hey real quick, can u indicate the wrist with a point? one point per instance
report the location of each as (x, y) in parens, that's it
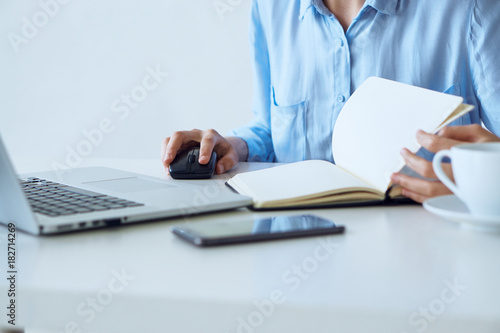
(240, 146)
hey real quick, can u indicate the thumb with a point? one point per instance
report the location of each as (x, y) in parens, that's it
(226, 163)
(435, 143)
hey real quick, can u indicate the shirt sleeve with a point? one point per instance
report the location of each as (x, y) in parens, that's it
(484, 51)
(257, 134)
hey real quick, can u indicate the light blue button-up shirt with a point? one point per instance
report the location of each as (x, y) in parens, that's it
(306, 67)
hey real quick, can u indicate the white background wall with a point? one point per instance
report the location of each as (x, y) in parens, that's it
(65, 75)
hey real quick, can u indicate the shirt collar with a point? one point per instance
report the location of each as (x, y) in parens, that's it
(384, 6)
(388, 7)
(304, 6)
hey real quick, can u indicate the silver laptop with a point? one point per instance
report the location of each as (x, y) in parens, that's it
(77, 199)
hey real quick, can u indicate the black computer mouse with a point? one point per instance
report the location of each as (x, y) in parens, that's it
(186, 165)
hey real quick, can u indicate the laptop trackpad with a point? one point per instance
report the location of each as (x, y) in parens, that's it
(131, 184)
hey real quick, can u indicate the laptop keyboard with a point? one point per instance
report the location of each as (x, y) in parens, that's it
(55, 199)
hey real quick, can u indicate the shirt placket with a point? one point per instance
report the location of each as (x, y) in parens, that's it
(341, 64)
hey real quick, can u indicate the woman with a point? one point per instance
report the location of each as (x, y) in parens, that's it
(310, 55)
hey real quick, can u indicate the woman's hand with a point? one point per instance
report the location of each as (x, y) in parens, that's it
(420, 189)
(229, 150)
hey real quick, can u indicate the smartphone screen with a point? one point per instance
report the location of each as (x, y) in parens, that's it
(258, 229)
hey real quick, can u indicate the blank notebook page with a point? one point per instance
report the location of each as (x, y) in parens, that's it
(294, 180)
(380, 119)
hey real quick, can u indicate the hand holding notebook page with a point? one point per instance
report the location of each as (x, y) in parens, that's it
(379, 119)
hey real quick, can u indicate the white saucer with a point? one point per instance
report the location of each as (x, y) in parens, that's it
(450, 207)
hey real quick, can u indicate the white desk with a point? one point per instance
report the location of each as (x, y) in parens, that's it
(392, 264)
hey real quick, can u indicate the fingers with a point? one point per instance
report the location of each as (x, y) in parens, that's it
(166, 160)
(422, 166)
(435, 143)
(176, 142)
(453, 135)
(418, 164)
(209, 141)
(419, 189)
(210, 138)
(164, 145)
(468, 133)
(414, 196)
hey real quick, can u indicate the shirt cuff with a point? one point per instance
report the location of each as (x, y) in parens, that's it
(259, 149)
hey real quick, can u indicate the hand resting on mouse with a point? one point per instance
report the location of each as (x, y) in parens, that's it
(230, 150)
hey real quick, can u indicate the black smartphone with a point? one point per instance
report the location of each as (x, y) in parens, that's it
(258, 229)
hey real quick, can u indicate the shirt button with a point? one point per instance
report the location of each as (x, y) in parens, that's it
(341, 98)
(340, 42)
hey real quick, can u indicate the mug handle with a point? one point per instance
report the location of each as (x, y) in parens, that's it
(438, 170)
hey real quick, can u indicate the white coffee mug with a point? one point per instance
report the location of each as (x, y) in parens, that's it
(476, 169)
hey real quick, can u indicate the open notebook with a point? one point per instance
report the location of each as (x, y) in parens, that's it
(379, 119)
